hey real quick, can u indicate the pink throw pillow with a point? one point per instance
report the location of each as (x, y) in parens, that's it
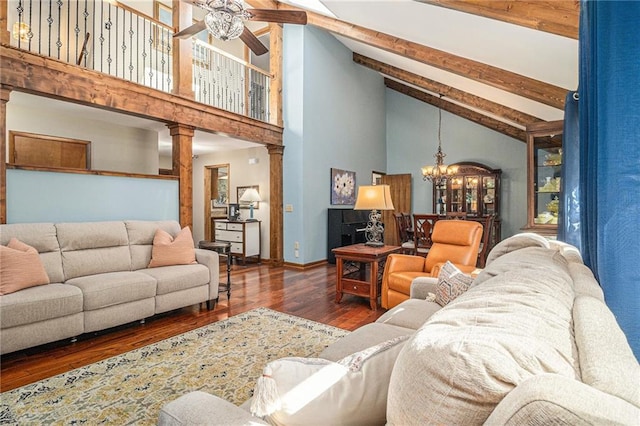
(20, 267)
(169, 251)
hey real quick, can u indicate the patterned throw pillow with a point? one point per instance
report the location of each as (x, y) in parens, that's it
(169, 251)
(451, 283)
(20, 267)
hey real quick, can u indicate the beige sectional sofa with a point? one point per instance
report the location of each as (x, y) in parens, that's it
(98, 279)
(531, 342)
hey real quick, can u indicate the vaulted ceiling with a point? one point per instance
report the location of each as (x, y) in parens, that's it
(502, 64)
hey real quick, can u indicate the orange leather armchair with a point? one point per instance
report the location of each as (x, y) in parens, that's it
(454, 240)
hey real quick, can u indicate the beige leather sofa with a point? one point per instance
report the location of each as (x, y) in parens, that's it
(530, 343)
(98, 279)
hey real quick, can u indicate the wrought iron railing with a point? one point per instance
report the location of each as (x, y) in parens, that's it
(225, 82)
(112, 38)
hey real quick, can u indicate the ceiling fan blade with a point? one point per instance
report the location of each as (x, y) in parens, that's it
(191, 31)
(252, 42)
(279, 16)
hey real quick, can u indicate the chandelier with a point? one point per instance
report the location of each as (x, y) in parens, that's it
(225, 21)
(438, 173)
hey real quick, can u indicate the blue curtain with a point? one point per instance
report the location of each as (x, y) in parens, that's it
(609, 115)
(569, 229)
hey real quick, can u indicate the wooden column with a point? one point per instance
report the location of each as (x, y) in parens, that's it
(276, 247)
(182, 137)
(275, 68)
(5, 35)
(182, 54)
(5, 92)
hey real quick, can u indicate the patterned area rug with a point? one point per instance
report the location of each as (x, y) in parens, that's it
(224, 358)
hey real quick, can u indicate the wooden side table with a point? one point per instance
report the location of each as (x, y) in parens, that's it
(362, 281)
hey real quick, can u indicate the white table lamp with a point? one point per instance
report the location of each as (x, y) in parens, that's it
(250, 196)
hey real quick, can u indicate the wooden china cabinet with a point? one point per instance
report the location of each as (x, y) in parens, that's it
(474, 189)
(544, 166)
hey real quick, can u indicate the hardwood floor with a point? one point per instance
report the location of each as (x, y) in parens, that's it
(309, 294)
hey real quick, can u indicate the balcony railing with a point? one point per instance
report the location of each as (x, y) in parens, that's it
(109, 37)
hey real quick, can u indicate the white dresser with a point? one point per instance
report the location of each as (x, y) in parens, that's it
(244, 237)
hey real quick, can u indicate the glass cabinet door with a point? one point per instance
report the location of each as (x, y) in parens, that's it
(544, 145)
(489, 195)
(471, 195)
(546, 180)
(457, 200)
(440, 199)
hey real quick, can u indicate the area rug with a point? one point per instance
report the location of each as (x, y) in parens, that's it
(223, 358)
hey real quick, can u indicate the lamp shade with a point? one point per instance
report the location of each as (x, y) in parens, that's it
(250, 196)
(374, 197)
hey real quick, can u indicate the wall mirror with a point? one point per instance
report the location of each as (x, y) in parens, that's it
(216, 196)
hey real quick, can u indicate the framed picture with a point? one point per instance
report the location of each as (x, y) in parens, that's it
(343, 187)
(376, 177)
(241, 189)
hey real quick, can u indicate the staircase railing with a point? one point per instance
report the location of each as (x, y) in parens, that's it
(110, 37)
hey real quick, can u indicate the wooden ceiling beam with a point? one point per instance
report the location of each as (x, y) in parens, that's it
(476, 117)
(560, 17)
(517, 84)
(461, 96)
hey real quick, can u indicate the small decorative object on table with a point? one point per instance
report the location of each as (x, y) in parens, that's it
(374, 198)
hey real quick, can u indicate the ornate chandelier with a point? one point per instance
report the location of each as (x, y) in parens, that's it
(225, 21)
(438, 173)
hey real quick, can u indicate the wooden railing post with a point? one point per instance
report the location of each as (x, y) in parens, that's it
(5, 92)
(182, 51)
(276, 227)
(5, 35)
(275, 68)
(182, 137)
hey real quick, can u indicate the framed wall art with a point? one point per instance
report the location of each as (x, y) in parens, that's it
(245, 205)
(343, 187)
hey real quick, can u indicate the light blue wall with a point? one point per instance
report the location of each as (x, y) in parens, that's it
(35, 196)
(337, 110)
(412, 140)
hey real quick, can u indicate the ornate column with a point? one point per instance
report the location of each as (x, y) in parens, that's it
(182, 154)
(276, 247)
(5, 92)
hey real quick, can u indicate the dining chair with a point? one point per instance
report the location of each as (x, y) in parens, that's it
(422, 228)
(456, 215)
(483, 251)
(405, 233)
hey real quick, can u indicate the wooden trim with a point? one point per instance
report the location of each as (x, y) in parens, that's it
(90, 172)
(275, 67)
(461, 111)
(558, 17)
(5, 34)
(5, 94)
(507, 113)
(511, 82)
(304, 266)
(12, 147)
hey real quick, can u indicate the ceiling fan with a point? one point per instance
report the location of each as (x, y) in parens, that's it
(225, 21)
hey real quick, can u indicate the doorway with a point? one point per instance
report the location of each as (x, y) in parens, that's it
(216, 197)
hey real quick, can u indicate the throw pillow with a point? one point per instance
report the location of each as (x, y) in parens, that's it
(169, 251)
(318, 391)
(451, 283)
(20, 267)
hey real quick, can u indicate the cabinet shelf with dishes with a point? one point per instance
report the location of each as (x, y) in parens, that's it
(544, 177)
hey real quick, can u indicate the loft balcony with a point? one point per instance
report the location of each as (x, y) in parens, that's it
(112, 38)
